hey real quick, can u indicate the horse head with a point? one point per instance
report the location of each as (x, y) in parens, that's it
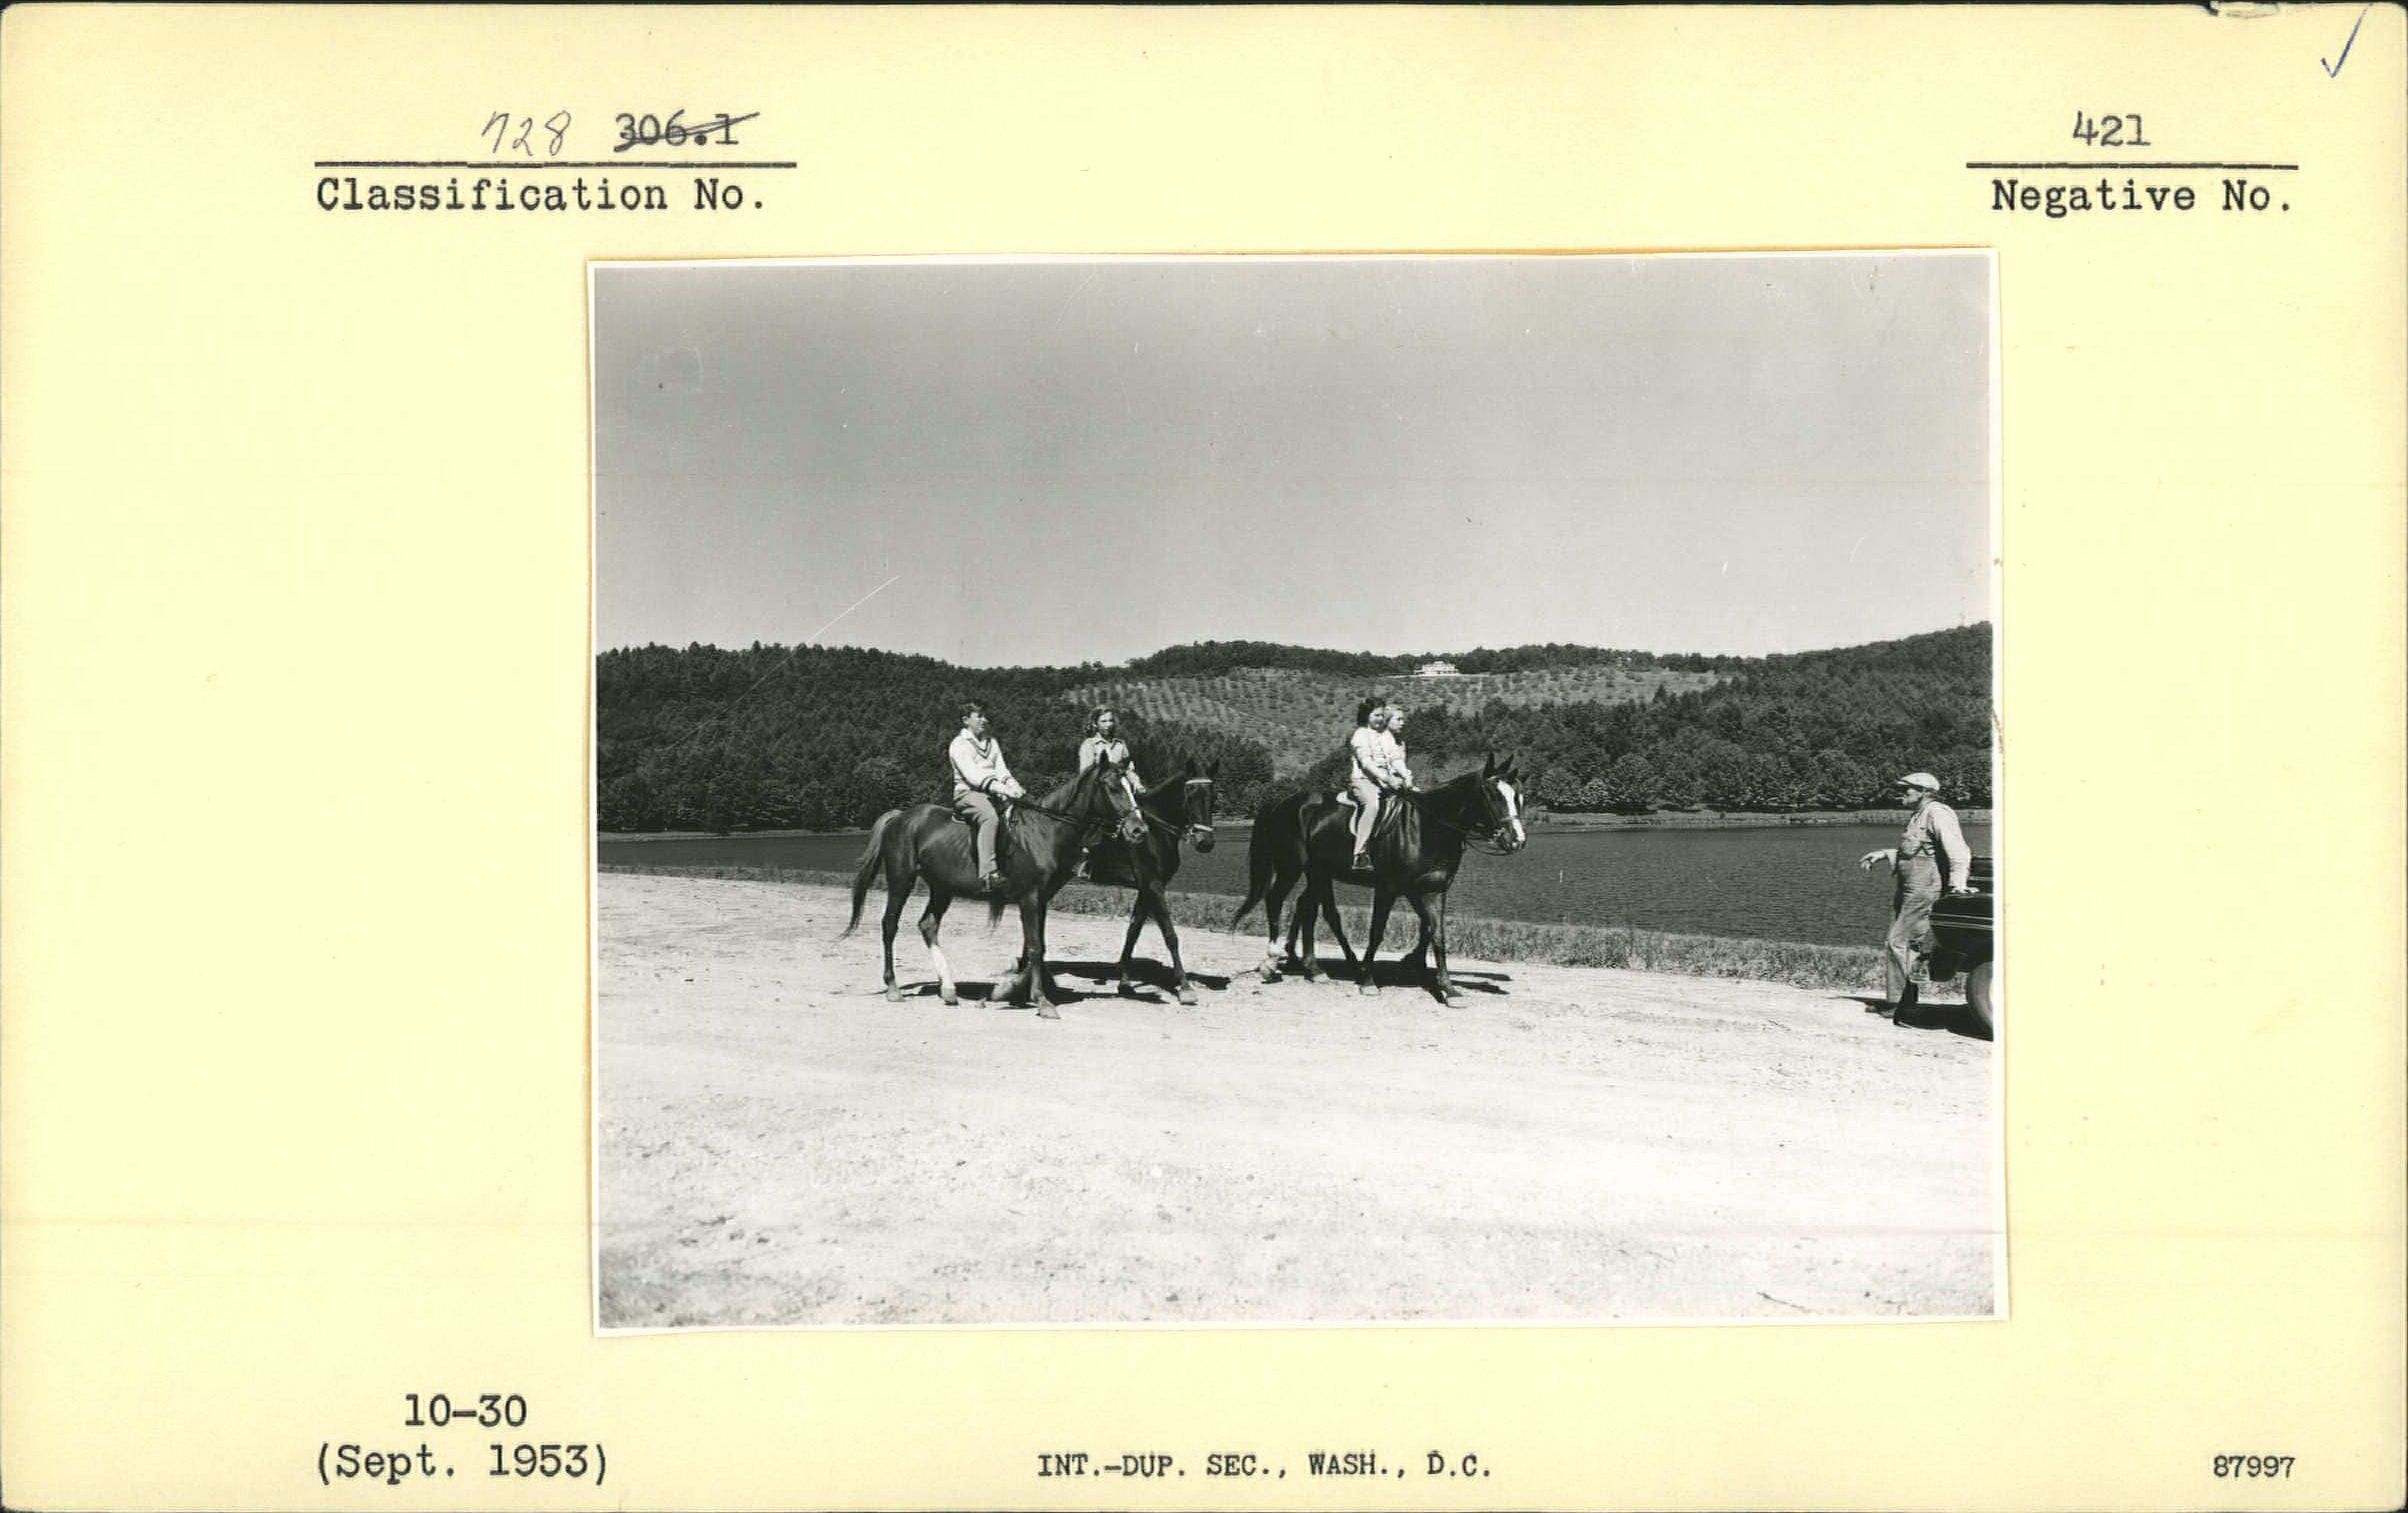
(1501, 804)
(1197, 800)
(1107, 794)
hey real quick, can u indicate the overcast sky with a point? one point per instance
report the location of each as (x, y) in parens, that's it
(1069, 461)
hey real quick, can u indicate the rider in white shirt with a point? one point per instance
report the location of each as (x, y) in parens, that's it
(980, 780)
(1396, 746)
(1372, 775)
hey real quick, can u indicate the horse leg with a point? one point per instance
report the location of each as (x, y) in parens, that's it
(1023, 983)
(1337, 926)
(1319, 902)
(932, 919)
(1161, 908)
(888, 923)
(1433, 939)
(1273, 962)
(1041, 979)
(1446, 983)
(1128, 947)
(1381, 901)
(1304, 932)
(1306, 956)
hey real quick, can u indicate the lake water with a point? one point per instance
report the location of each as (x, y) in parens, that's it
(1772, 882)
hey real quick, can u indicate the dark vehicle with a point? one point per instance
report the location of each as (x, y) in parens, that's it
(1964, 928)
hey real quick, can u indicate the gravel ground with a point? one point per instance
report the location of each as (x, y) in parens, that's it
(779, 1145)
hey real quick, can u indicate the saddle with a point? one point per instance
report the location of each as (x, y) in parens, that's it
(1389, 808)
(1004, 844)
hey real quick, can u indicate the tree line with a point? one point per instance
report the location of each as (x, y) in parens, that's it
(1825, 730)
(702, 738)
(1208, 659)
(829, 738)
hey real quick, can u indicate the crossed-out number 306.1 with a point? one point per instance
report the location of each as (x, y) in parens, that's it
(2254, 1465)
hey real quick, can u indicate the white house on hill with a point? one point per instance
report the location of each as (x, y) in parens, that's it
(1438, 670)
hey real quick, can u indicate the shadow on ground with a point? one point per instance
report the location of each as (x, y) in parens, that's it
(1404, 972)
(1955, 1018)
(1143, 971)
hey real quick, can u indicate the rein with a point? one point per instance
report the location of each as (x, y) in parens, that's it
(1474, 839)
(1067, 818)
(1179, 832)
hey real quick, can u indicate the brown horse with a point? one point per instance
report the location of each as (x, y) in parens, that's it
(1175, 809)
(1040, 849)
(1414, 855)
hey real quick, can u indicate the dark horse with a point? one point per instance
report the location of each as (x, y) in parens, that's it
(1175, 809)
(1036, 854)
(1414, 855)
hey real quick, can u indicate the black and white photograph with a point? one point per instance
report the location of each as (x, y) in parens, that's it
(1296, 791)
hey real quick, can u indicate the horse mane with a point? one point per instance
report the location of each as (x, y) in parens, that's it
(1462, 785)
(1060, 797)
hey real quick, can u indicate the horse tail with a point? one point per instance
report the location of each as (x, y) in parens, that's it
(1260, 861)
(871, 855)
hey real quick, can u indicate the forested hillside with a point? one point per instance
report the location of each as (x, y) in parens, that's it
(830, 737)
(827, 738)
(1817, 730)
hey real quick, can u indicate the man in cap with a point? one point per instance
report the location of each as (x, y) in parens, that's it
(1932, 851)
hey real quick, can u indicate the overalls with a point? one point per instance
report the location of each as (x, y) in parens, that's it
(1918, 888)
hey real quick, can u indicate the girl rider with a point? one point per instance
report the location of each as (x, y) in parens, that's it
(1103, 744)
(1372, 773)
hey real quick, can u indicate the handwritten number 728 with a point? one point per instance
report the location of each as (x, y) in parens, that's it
(513, 133)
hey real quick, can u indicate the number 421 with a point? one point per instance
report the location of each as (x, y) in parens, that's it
(2108, 131)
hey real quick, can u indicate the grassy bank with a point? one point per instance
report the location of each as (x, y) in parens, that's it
(1738, 819)
(1846, 968)
(1541, 821)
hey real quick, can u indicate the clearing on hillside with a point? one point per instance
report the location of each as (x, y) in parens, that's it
(1302, 716)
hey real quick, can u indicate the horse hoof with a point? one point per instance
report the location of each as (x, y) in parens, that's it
(1047, 1011)
(1371, 990)
(1124, 989)
(952, 1000)
(1310, 974)
(894, 995)
(1187, 996)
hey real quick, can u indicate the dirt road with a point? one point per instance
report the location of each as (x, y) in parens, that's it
(779, 1145)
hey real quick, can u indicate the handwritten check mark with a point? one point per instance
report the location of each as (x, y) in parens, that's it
(2332, 69)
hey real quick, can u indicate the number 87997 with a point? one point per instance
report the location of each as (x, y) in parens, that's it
(2254, 1465)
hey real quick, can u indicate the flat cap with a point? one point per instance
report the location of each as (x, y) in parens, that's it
(1920, 780)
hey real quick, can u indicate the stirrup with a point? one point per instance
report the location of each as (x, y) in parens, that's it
(1362, 861)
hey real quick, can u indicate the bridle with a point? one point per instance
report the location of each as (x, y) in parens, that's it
(1475, 838)
(1086, 823)
(1194, 833)
(1186, 832)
